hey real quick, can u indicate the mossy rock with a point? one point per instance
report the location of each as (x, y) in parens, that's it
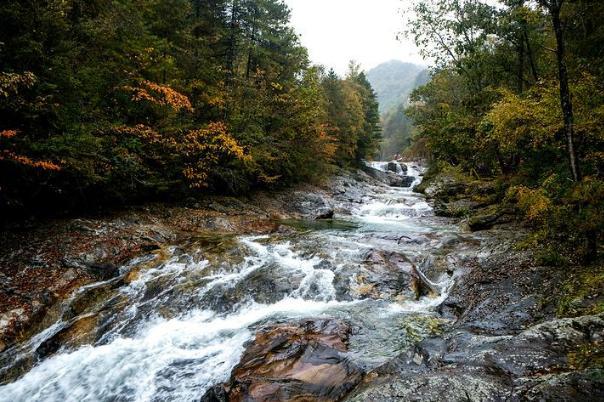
(583, 292)
(490, 216)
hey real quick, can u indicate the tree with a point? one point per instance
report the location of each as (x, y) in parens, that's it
(554, 8)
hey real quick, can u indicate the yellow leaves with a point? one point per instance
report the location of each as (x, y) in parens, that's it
(534, 203)
(11, 82)
(198, 151)
(516, 121)
(214, 139)
(141, 131)
(327, 144)
(161, 95)
(205, 149)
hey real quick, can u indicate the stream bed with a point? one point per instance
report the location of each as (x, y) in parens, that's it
(176, 321)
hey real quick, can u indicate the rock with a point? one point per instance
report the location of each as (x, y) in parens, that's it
(385, 275)
(401, 181)
(489, 218)
(264, 285)
(433, 387)
(377, 174)
(312, 205)
(587, 385)
(81, 331)
(539, 363)
(301, 361)
(455, 209)
(483, 222)
(389, 178)
(328, 214)
(103, 272)
(392, 167)
(396, 167)
(443, 187)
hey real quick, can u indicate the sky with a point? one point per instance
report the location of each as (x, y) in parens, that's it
(337, 31)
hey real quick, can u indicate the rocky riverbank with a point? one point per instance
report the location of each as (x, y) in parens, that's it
(45, 263)
(508, 338)
(407, 307)
(513, 336)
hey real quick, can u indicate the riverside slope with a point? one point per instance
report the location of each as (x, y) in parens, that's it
(237, 299)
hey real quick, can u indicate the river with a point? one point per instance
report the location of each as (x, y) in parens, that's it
(177, 321)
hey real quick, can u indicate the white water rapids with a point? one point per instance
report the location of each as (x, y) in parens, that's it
(181, 325)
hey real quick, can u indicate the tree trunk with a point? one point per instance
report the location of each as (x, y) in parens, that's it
(251, 46)
(531, 56)
(520, 66)
(230, 60)
(565, 98)
(230, 54)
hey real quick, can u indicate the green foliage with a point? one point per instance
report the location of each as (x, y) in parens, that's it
(394, 81)
(493, 108)
(352, 115)
(578, 292)
(111, 101)
(397, 132)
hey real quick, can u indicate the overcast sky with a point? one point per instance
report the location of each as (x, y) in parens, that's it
(336, 31)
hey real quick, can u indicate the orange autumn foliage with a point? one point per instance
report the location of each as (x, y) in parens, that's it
(8, 133)
(140, 131)
(6, 154)
(199, 151)
(207, 148)
(161, 95)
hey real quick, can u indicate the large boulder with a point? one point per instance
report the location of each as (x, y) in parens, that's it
(389, 178)
(312, 205)
(455, 209)
(293, 362)
(396, 167)
(555, 360)
(401, 181)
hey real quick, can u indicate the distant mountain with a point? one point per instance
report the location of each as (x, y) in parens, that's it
(394, 81)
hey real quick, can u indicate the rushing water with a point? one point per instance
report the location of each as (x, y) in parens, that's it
(177, 323)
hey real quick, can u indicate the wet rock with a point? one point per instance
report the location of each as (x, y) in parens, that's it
(104, 272)
(552, 346)
(81, 331)
(455, 209)
(445, 188)
(585, 385)
(483, 222)
(301, 362)
(389, 178)
(312, 205)
(396, 167)
(539, 363)
(401, 181)
(386, 275)
(435, 387)
(265, 285)
(328, 214)
(489, 218)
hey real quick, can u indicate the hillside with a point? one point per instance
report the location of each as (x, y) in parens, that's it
(393, 81)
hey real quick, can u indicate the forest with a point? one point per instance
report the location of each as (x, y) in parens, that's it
(108, 102)
(517, 96)
(193, 208)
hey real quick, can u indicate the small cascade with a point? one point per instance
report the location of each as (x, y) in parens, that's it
(170, 329)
